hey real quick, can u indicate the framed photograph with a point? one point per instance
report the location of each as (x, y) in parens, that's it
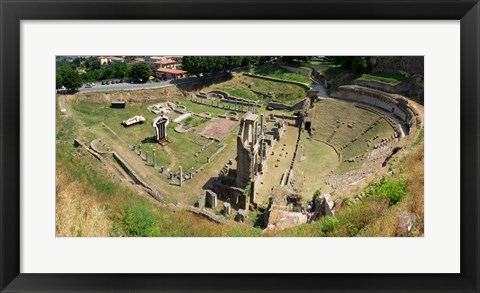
(239, 146)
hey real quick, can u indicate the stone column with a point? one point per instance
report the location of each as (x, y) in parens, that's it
(261, 123)
(181, 176)
(146, 157)
(154, 160)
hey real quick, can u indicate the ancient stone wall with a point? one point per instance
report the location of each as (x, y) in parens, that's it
(307, 87)
(300, 105)
(402, 87)
(299, 70)
(132, 174)
(397, 106)
(234, 195)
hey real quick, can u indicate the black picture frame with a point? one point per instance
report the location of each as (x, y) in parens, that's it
(12, 12)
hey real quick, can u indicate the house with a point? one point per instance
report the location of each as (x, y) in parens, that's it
(110, 59)
(166, 63)
(153, 59)
(170, 73)
(175, 58)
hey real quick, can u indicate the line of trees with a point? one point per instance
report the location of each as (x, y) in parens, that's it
(196, 65)
(92, 70)
(358, 64)
(206, 65)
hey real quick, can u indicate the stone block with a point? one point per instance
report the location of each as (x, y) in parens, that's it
(201, 199)
(227, 209)
(241, 216)
(210, 199)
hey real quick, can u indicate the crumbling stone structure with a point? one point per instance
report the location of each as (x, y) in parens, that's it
(395, 104)
(250, 144)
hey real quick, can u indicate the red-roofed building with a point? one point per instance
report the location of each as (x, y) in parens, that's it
(110, 59)
(170, 73)
(166, 63)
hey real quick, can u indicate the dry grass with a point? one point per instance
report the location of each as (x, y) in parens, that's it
(77, 212)
(132, 97)
(374, 216)
(387, 224)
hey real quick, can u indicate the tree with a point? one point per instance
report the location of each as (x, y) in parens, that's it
(92, 63)
(120, 70)
(141, 71)
(290, 59)
(357, 64)
(196, 65)
(58, 80)
(68, 78)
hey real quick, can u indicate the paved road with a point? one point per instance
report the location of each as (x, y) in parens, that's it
(98, 87)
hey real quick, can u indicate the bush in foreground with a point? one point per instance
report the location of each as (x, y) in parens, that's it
(138, 221)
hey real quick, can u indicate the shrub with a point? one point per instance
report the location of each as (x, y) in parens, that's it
(138, 221)
(393, 189)
(316, 194)
(330, 225)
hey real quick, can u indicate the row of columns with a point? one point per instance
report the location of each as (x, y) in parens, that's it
(238, 105)
(154, 161)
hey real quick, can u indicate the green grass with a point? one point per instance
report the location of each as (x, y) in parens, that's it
(182, 144)
(383, 77)
(392, 189)
(138, 221)
(419, 138)
(194, 121)
(240, 92)
(327, 113)
(312, 172)
(319, 62)
(199, 108)
(350, 222)
(275, 71)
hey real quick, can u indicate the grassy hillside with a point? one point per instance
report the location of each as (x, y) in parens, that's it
(384, 77)
(248, 87)
(378, 214)
(92, 201)
(275, 71)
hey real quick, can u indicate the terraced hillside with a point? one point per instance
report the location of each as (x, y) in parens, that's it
(256, 89)
(352, 130)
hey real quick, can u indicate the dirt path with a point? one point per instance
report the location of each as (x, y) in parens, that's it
(322, 92)
(62, 105)
(171, 155)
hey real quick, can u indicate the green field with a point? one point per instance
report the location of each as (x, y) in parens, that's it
(383, 77)
(246, 86)
(184, 146)
(319, 159)
(275, 71)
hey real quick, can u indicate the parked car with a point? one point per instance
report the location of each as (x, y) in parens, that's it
(88, 85)
(107, 82)
(113, 81)
(103, 82)
(121, 80)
